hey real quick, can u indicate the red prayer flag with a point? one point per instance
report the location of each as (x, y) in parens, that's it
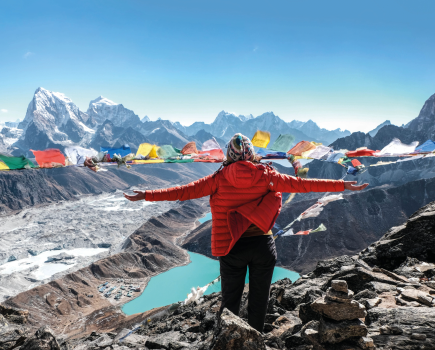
(303, 233)
(355, 163)
(45, 159)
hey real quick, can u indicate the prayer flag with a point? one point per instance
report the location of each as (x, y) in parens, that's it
(427, 147)
(122, 151)
(396, 148)
(49, 158)
(261, 139)
(14, 163)
(210, 145)
(319, 229)
(77, 155)
(301, 147)
(3, 166)
(167, 151)
(147, 149)
(190, 148)
(283, 143)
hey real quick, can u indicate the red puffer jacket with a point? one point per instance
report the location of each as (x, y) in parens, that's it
(242, 194)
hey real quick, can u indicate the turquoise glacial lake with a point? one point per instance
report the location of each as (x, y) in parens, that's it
(174, 285)
(207, 217)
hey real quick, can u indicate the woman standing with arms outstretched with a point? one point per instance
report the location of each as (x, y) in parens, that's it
(245, 201)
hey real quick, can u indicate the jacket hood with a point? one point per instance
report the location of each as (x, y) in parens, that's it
(243, 174)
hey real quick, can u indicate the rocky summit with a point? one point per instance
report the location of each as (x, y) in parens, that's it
(382, 298)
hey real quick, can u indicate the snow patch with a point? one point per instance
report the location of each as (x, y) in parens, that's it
(45, 270)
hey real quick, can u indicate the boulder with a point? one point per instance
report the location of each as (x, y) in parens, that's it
(339, 311)
(393, 328)
(414, 239)
(13, 314)
(366, 294)
(168, 341)
(302, 291)
(42, 340)
(366, 343)
(102, 341)
(235, 334)
(285, 324)
(371, 303)
(335, 332)
(419, 296)
(12, 337)
(310, 332)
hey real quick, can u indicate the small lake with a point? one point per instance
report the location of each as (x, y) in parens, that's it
(207, 217)
(174, 285)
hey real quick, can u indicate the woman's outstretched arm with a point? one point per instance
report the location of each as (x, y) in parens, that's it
(287, 183)
(197, 189)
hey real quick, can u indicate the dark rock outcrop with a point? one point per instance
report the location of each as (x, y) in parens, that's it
(402, 327)
(414, 239)
(235, 334)
(42, 340)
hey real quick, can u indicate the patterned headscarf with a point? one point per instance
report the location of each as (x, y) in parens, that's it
(240, 148)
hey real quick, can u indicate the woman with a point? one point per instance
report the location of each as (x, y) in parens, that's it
(245, 200)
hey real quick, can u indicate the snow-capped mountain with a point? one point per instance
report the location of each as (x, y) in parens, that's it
(312, 129)
(227, 124)
(164, 132)
(102, 109)
(224, 124)
(52, 119)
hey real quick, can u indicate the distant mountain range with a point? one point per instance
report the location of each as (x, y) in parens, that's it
(54, 121)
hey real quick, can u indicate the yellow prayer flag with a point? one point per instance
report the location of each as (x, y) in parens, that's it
(261, 139)
(146, 149)
(153, 152)
(150, 161)
(3, 166)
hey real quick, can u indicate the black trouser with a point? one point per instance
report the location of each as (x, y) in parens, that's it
(259, 254)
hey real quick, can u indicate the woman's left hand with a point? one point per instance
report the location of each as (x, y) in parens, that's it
(351, 186)
(140, 196)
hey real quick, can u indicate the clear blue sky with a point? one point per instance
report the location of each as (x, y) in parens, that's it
(343, 64)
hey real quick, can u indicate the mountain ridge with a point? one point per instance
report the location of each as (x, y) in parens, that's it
(53, 121)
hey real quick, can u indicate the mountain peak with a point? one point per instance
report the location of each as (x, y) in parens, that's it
(145, 119)
(40, 89)
(373, 132)
(103, 100)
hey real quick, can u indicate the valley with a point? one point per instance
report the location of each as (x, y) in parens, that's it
(66, 233)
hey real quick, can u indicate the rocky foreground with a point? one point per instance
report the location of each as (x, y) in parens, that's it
(383, 298)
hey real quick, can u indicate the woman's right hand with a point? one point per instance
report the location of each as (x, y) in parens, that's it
(140, 196)
(351, 186)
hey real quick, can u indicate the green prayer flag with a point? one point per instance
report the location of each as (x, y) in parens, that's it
(319, 229)
(167, 151)
(283, 143)
(14, 163)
